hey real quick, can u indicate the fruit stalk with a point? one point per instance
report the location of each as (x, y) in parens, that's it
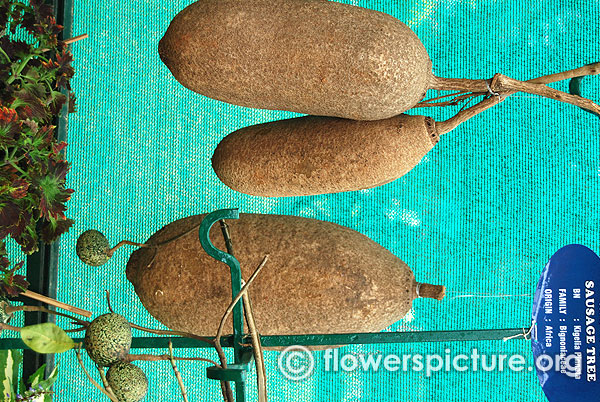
(89, 377)
(464, 115)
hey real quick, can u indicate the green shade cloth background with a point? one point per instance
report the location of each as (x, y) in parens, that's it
(481, 213)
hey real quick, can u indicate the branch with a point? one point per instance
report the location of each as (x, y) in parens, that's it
(56, 303)
(169, 332)
(75, 330)
(105, 382)
(450, 124)
(177, 374)
(156, 358)
(12, 309)
(122, 243)
(108, 301)
(261, 372)
(226, 236)
(75, 39)
(504, 86)
(217, 340)
(78, 354)
(455, 101)
(9, 327)
(243, 291)
(71, 40)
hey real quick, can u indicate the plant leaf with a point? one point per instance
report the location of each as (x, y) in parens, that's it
(36, 377)
(46, 338)
(48, 382)
(52, 229)
(9, 369)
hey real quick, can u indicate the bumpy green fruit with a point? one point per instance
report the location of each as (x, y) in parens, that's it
(92, 248)
(108, 339)
(128, 382)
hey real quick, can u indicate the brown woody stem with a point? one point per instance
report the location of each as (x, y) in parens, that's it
(443, 127)
(111, 251)
(217, 341)
(80, 361)
(155, 358)
(172, 333)
(177, 374)
(75, 39)
(459, 84)
(503, 83)
(71, 40)
(261, 372)
(56, 303)
(460, 97)
(105, 383)
(427, 290)
(9, 327)
(13, 309)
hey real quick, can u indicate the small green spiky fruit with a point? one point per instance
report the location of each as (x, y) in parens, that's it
(108, 339)
(128, 382)
(92, 248)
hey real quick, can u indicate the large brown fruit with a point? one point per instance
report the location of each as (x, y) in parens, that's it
(308, 56)
(317, 155)
(320, 277)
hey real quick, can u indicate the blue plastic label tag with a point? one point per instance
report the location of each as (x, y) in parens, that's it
(566, 331)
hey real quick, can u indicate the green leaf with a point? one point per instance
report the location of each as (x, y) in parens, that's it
(9, 369)
(36, 377)
(46, 338)
(48, 382)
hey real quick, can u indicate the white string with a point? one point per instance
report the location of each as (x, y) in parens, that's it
(481, 295)
(487, 84)
(525, 334)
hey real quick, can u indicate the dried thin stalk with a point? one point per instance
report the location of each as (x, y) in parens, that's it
(12, 309)
(226, 236)
(217, 341)
(450, 124)
(261, 372)
(75, 330)
(122, 243)
(56, 303)
(155, 358)
(177, 374)
(71, 40)
(8, 327)
(108, 301)
(455, 101)
(75, 39)
(503, 85)
(237, 299)
(80, 361)
(107, 386)
(173, 333)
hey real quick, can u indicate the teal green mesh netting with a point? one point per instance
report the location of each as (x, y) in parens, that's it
(481, 213)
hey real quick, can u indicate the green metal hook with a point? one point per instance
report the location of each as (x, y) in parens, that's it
(234, 266)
